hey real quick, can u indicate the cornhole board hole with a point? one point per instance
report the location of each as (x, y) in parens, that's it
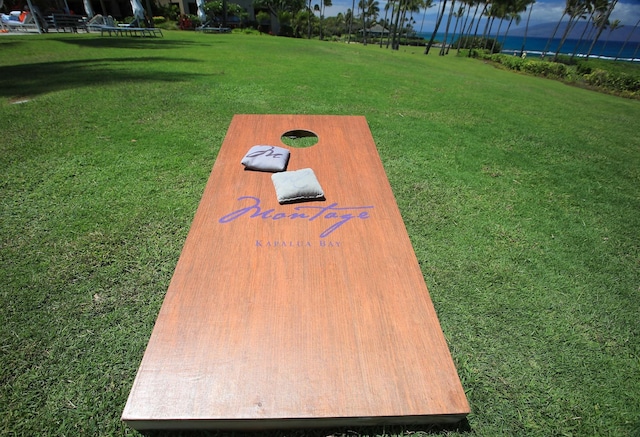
(306, 314)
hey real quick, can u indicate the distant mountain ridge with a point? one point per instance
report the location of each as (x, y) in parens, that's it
(545, 30)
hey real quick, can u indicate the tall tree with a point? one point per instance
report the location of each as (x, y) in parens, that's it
(515, 8)
(309, 10)
(615, 24)
(370, 9)
(385, 24)
(458, 15)
(502, 12)
(443, 46)
(412, 6)
(486, 4)
(593, 7)
(394, 27)
(526, 28)
(353, 6)
(490, 11)
(555, 30)
(576, 12)
(605, 21)
(435, 29)
(324, 4)
(466, 30)
(627, 39)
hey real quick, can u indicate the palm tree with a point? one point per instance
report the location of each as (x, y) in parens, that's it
(576, 11)
(489, 11)
(555, 30)
(464, 30)
(475, 34)
(426, 4)
(502, 12)
(369, 9)
(309, 20)
(526, 28)
(444, 46)
(394, 39)
(593, 7)
(627, 40)
(410, 6)
(517, 6)
(615, 24)
(458, 15)
(605, 21)
(353, 6)
(435, 30)
(386, 13)
(324, 4)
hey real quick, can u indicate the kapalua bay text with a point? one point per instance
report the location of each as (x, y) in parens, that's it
(336, 214)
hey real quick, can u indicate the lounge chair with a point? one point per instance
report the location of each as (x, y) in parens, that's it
(212, 27)
(19, 21)
(132, 29)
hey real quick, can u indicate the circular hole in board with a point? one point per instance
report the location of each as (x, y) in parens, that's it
(299, 138)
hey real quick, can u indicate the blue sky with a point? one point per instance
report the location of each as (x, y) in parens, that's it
(544, 11)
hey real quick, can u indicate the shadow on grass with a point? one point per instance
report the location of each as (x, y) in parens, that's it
(8, 44)
(131, 43)
(35, 79)
(389, 430)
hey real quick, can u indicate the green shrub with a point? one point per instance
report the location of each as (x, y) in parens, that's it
(511, 62)
(624, 82)
(612, 79)
(168, 25)
(583, 68)
(545, 69)
(620, 82)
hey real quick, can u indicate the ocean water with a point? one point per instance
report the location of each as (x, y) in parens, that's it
(535, 47)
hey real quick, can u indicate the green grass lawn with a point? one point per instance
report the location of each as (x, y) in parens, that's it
(520, 195)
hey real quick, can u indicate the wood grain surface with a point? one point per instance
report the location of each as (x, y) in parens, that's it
(306, 314)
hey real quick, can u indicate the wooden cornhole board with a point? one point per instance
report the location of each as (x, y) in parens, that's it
(273, 320)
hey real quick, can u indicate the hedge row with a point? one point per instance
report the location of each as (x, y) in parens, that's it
(624, 84)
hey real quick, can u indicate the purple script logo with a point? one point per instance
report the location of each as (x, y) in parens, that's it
(329, 212)
(269, 151)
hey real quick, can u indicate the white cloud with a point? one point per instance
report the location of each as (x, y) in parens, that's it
(627, 13)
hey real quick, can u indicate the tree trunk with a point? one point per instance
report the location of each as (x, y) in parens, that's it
(386, 12)
(395, 43)
(575, 51)
(526, 30)
(553, 35)
(393, 11)
(455, 27)
(612, 5)
(627, 40)
(364, 23)
(353, 5)
(467, 30)
(493, 45)
(446, 30)
(435, 30)
(475, 33)
(573, 20)
(506, 32)
(309, 21)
